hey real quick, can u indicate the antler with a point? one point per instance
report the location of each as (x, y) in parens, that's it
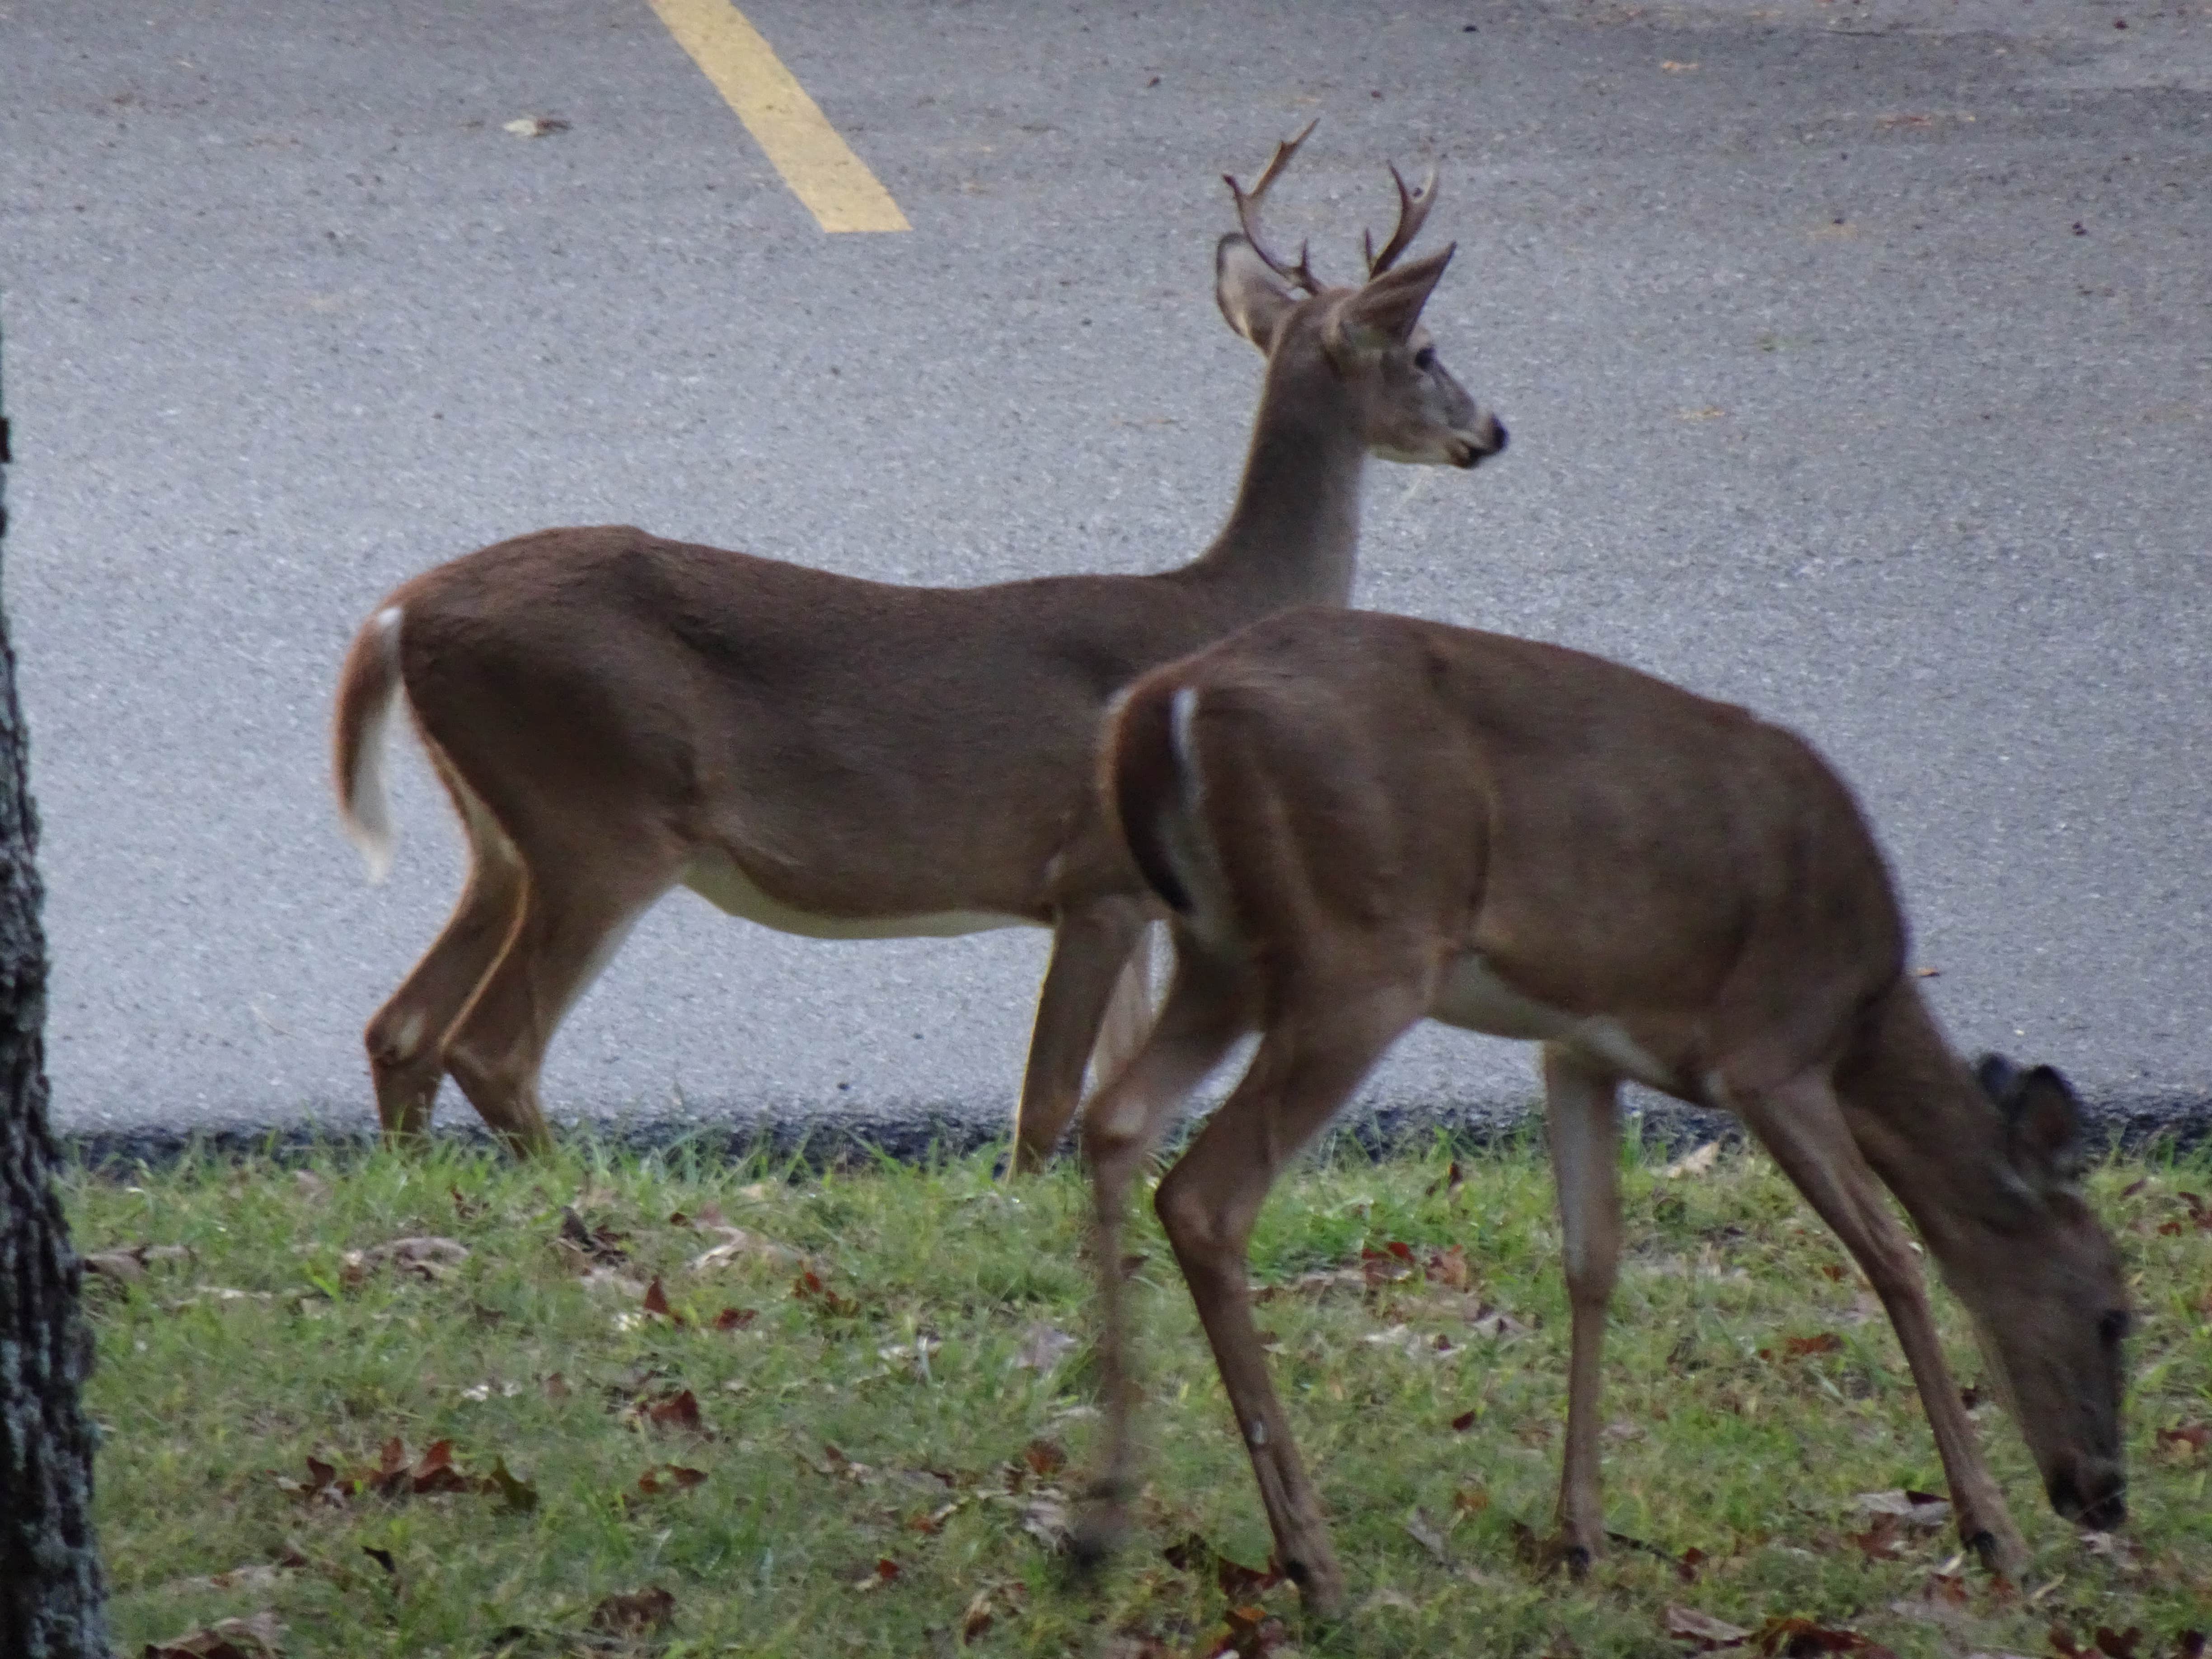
(1413, 213)
(1248, 214)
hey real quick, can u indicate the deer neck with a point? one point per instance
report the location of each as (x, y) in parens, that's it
(1293, 536)
(1930, 1133)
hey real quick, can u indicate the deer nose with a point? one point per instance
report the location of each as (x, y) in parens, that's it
(2091, 1494)
(1493, 431)
(2108, 1513)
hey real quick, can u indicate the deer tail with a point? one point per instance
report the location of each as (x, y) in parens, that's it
(368, 685)
(1150, 782)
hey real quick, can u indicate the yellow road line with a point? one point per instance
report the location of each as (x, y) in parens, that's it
(820, 168)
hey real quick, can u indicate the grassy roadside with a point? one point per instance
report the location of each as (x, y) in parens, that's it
(856, 1426)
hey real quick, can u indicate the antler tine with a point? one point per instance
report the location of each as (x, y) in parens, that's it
(1248, 212)
(1413, 213)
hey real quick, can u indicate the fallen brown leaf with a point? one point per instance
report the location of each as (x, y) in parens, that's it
(885, 1571)
(515, 1493)
(389, 1478)
(1696, 1163)
(977, 1618)
(1044, 1516)
(1239, 1582)
(1883, 1541)
(1042, 1347)
(655, 1301)
(1320, 1283)
(252, 1576)
(678, 1409)
(668, 1477)
(588, 1246)
(636, 1614)
(1387, 1265)
(1451, 1269)
(933, 1522)
(1921, 1509)
(809, 1288)
(2185, 1442)
(1251, 1632)
(1801, 1638)
(322, 1485)
(434, 1471)
(1424, 1532)
(1496, 1323)
(1702, 1630)
(739, 1245)
(260, 1637)
(426, 1257)
(129, 1265)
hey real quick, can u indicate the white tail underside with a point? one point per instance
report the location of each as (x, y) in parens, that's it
(366, 815)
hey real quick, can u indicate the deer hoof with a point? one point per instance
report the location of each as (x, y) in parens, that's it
(1100, 1527)
(2006, 1558)
(1321, 1590)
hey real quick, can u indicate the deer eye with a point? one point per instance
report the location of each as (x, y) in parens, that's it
(1425, 358)
(2114, 1326)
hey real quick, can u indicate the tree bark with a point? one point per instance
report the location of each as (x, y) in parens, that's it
(52, 1600)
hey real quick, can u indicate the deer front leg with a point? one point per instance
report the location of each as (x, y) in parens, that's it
(1091, 946)
(1801, 1124)
(1585, 1140)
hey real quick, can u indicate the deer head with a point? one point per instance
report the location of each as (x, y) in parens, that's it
(1369, 340)
(2048, 1299)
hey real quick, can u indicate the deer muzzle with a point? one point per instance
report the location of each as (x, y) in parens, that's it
(1485, 438)
(2090, 1492)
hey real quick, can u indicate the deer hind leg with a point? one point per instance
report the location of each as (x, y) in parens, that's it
(1091, 949)
(576, 912)
(1201, 1017)
(1803, 1125)
(1585, 1136)
(406, 1038)
(1310, 1059)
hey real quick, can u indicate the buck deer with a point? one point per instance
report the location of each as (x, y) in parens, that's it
(614, 716)
(1358, 821)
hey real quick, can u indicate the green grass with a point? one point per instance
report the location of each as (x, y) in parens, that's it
(1721, 1443)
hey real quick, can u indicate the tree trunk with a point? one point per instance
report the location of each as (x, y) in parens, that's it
(51, 1598)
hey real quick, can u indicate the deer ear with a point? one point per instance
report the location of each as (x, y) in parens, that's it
(1996, 1075)
(1387, 309)
(2043, 1121)
(1250, 295)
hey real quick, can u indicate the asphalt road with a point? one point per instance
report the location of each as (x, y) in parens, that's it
(1858, 359)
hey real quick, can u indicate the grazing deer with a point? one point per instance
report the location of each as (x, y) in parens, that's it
(615, 715)
(1358, 821)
